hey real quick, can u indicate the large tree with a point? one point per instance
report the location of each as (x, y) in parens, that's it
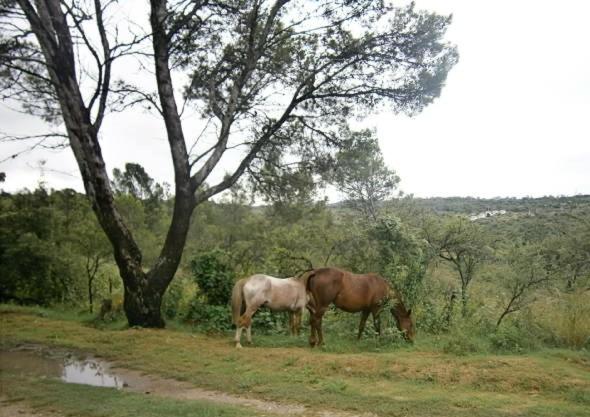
(270, 76)
(361, 173)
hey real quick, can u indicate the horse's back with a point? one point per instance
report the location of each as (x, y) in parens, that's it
(275, 293)
(324, 284)
(349, 292)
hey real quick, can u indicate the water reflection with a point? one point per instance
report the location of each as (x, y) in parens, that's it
(88, 371)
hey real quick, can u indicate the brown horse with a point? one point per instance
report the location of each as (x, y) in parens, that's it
(350, 292)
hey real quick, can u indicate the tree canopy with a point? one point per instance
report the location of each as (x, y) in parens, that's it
(272, 78)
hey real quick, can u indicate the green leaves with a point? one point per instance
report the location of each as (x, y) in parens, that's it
(403, 257)
(213, 276)
(360, 172)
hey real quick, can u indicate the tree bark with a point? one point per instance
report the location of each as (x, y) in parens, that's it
(143, 292)
(142, 302)
(463, 297)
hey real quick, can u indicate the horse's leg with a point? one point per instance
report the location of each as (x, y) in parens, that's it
(312, 330)
(249, 333)
(376, 313)
(295, 321)
(320, 331)
(313, 334)
(298, 316)
(364, 315)
(317, 322)
(238, 336)
(245, 322)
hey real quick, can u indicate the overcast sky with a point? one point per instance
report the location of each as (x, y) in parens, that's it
(513, 119)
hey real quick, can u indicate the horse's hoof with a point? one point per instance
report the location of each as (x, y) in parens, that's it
(238, 346)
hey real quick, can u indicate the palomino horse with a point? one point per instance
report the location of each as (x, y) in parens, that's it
(350, 292)
(278, 294)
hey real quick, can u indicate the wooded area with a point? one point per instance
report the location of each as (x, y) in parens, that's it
(281, 86)
(521, 279)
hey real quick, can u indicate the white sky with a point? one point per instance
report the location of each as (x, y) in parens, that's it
(513, 119)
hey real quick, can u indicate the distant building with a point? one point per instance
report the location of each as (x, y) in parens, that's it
(488, 213)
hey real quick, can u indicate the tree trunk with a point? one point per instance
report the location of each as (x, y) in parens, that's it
(90, 297)
(463, 300)
(143, 291)
(142, 305)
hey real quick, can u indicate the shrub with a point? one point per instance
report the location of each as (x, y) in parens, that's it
(462, 341)
(267, 322)
(433, 318)
(111, 309)
(209, 318)
(178, 297)
(567, 319)
(214, 277)
(513, 338)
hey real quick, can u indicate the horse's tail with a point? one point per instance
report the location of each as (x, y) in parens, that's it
(307, 278)
(237, 300)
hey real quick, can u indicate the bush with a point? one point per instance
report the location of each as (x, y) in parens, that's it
(461, 345)
(567, 320)
(214, 277)
(178, 297)
(209, 318)
(513, 338)
(462, 341)
(217, 319)
(111, 309)
(267, 322)
(433, 318)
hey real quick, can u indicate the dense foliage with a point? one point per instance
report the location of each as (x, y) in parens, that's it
(529, 269)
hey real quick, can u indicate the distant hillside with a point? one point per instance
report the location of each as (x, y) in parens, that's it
(471, 205)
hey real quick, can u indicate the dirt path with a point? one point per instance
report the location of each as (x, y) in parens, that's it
(47, 362)
(170, 388)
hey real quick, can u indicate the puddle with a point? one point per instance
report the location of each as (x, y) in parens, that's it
(87, 371)
(47, 363)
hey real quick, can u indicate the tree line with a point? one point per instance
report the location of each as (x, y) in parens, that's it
(450, 270)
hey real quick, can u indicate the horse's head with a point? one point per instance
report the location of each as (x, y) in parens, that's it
(404, 321)
(402, 316)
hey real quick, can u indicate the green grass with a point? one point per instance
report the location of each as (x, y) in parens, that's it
(388, 379)
(82, 400)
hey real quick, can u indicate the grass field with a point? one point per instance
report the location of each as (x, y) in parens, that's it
(384, 379)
